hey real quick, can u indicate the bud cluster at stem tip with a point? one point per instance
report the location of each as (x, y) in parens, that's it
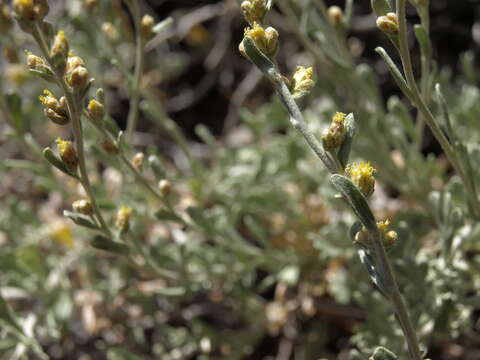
(266, 40)
(54, 109)
(254, 10)
(388, 23)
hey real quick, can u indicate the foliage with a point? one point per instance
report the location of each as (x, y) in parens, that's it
(156, 244)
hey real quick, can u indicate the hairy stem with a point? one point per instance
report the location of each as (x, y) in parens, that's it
(394, 295)
(137, 77)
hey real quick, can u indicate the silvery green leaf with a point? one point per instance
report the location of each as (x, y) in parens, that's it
(356, 200)
(381, 7)
(102, 243)
(54, 160)
(156, 166)
(167, 215)
(256, 56)
(80, 219)
(397, 75)
(369, 262)
(422, 37)
(344, 151)
(162, 25)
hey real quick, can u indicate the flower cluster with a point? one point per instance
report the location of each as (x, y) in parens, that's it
(361, 174)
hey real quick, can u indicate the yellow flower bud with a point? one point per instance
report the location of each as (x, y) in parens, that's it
(49, 100)
(146, 26)
(254, 10)
(78, 78)
(35, 62)
(73, 62)
(302, 81)
(266, 40)
(83, 206)
(388, 23)
(110, 31)
(138, 160)
(335, 15)
(165, 187)
(334, 135)
(122, 220)
(56, 117)
(361, 175)
(96, 110)
(389, 237)
(60, 45)
(67, 153)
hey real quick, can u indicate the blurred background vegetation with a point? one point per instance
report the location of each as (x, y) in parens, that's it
(263, 266)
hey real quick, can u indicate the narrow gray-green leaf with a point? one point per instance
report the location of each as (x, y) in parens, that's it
(80, 219)
(397, 75)
(356, 200)
(102, 243)
(381, 7)
(57, 162)
(344, 151)
(257, 57)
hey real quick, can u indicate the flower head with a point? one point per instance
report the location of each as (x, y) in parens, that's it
(361, 175)
(254, 10)
(55, 110)
(122, 220)
(388, 23)
(96, 110)
(60, 45)
(83, 206)
(78, 78)
(334, 135)
(146, 26)
(266, 40)
(67, 153)
(335, 15)
(389, 237)
(302, 81)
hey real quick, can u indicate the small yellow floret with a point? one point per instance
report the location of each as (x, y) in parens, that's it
(361, 175)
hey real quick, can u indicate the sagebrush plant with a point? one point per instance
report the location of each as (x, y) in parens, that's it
(153, 245)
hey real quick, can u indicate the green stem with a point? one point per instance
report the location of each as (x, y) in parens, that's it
(426, 59)
(394, 295)
(420, 103)
(74, 114)
(137, 77)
